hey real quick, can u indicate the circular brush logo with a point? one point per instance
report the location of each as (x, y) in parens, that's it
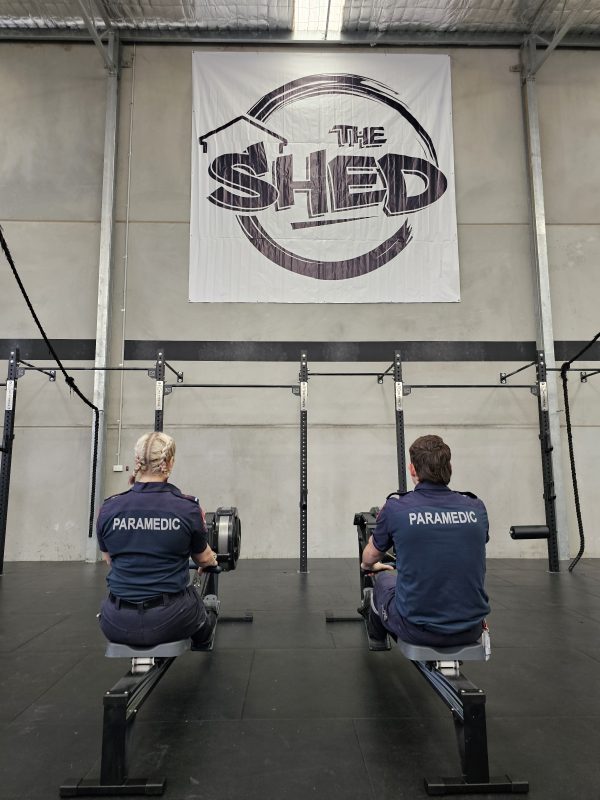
(332, 198)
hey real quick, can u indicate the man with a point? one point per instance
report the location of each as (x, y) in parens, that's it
(437, 597)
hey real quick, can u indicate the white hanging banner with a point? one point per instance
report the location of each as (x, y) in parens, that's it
(322, 178)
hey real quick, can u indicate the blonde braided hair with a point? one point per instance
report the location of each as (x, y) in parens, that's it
(153, 453)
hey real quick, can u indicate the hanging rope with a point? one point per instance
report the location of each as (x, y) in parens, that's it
(563, 374)
(70, 381)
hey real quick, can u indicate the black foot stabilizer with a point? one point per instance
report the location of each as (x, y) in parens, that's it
(121, 704)
(467, 704)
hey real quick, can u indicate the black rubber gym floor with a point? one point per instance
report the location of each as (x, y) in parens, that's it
(290, 707)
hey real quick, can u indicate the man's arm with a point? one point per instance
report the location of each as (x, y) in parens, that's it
(206, 558)
(377, 546)
(371, 558)
(106, 557)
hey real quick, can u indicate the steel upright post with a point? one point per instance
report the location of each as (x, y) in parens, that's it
(159, 376)
(545, 332)
(303, 462)
(400, 443)
(547, 470)
(7, 445)
(107, 219)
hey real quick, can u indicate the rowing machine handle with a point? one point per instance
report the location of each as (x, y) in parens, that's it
(213, 570)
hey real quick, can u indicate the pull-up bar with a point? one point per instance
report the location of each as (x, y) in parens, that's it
(408, 387)
(293, 386)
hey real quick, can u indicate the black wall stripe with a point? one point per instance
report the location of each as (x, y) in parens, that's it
(135, 350)
(67, 349)
(334, 351)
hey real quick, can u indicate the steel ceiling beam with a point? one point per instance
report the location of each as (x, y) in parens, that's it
(97, 36)
(589, 41)
(537, 61)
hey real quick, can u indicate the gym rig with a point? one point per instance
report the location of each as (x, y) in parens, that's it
(148, 666)
(159, 373)
(441, 668)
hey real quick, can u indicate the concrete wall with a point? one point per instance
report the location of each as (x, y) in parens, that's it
(242, 447)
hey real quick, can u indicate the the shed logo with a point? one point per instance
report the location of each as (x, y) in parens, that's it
(354, 159)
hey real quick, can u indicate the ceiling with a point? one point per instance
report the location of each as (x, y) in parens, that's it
(576, 23)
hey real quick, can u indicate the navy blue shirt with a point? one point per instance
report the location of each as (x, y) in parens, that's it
(150, 533)
(439, 537)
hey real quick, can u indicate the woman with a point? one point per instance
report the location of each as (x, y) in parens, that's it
(147, 536)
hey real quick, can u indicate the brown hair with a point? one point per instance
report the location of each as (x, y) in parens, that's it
(430, 456)
(153, 452)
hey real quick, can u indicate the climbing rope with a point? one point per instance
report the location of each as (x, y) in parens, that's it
(69, 380)
(563, 374)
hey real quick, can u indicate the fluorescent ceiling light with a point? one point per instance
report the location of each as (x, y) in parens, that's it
(318, 19)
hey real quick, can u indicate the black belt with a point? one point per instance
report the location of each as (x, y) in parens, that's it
(151, 602)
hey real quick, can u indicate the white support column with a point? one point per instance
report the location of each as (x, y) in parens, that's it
(545, 331)
(105, 268)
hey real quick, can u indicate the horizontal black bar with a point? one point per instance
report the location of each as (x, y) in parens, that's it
(137, 350)
(109, 369)
(232, 385)
(469, 385)
(571, 369)
(346, 374)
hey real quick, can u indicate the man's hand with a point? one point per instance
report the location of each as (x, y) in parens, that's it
(378, 566)
(371, 558)
(207, 558)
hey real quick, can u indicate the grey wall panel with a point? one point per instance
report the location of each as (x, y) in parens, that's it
(58, 264)
(49, 493)
(52, 132)
(41, 403)
(162, 125)
(574, 253)
(489, 160)
(496, 288)
(570, 134)
(584, 402)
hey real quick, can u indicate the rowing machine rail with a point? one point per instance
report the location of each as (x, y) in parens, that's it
(441, 668)
(148, 667)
